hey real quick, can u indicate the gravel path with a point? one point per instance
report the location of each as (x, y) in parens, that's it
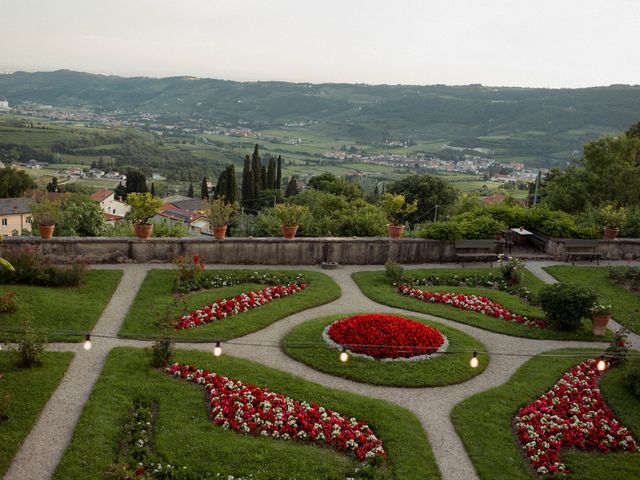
(45, 444)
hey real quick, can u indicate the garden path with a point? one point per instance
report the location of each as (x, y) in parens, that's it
(44, 446)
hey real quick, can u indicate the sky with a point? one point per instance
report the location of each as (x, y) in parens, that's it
(542, 43)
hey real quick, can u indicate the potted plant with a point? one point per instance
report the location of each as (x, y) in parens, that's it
(613, 220)
(46, 214)
(220, 213)
(396, 208)
(600, 316)
(290, 216)
(144, 206)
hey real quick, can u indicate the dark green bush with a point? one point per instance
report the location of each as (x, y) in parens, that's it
(448, 231)
(393, 272)
(32, 269)
(29, 347)
(632, 377)
(162, 352)
(482, 227)
(565, 305)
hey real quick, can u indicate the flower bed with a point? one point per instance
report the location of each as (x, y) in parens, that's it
(571, 414)
(472, 303)
(385, 336)
(248, 409)
(232, 306)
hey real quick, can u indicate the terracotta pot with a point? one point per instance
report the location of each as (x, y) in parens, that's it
(395, 231)
(219, 231)
(289, 231)
(599, 324)
(143, 231)
(46, 231)
(610, 233)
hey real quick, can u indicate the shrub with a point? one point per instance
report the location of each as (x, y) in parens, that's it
(632, 377)
(160, 229)
(565, 305)
(290, 214)
(613, 217)
(618, 350)
(32, 269)
(480, 228)
(162, 352)
(8, 302)
(396, 208)
(144, 206)
(29, 348)
(393, 272)
(220, 212)
(46, 212)
(447, 231)
(511, 268)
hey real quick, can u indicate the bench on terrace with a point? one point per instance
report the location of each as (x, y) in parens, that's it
(582, 250)
(476, 250)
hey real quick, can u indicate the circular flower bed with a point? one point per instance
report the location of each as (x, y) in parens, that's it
(385, 337)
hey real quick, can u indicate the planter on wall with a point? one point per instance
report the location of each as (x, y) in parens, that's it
(610, 233)
(46, 231)
(143, 230)
(289, 231)
(395, 231)
(219, 231)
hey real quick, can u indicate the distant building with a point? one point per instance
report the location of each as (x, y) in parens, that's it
(109, 204)
(196, 223)
(15, 215)
(4, 105)
(186, 203)
(157, 176)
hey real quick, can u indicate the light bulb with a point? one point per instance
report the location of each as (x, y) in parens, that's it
(601, 365)
(474, 360)
(344, 356)
(87, 342)
(217, 351)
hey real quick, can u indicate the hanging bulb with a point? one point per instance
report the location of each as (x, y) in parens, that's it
(474, 360)
(344, 356)
(217, 351)
(602, 364)
(87, 342)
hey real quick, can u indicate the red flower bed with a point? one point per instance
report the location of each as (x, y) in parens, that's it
(473, 303)
(385, 336)
(248, 409)
(238, 304)
(570, 415)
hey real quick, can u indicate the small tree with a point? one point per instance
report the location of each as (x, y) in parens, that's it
(613, 217)
(565, 305)
(221, 212)
(46, 212)
(396, 208)
(292, 187)
(290, 215)
(52, 186)
(143, 207)
(190, 193)
(204, 190)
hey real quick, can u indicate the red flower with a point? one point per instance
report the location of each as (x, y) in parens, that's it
(140, 471)
(385, 336)
(196, 258)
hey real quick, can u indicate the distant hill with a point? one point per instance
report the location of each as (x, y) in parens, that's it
(514, 123)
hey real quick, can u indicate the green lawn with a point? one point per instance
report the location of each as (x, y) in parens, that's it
(439, 371)
(58, 312)
(186, 437)
(30, 389)
(485, 423)
(374, 286)
(156, 294)
(626, 304)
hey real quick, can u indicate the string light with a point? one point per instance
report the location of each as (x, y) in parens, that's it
(602, 364)
(344, 356)
(217, 351)
(474, 360)
(87, 342)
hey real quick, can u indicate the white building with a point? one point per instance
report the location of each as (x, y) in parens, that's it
(4, 105)
(109, 204)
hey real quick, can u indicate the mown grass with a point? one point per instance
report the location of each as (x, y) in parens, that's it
(155, 298)
(626, 304)
(59, 312)
(305, 344)
(186, 437)
(484, 423)
(374, 286)
(30, 390)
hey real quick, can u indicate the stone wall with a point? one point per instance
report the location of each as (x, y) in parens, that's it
(618, 249)
(258, 251)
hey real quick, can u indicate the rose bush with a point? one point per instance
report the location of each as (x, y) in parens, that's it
(249, 409)
(232, 306)
(570, 415)
(473, 303)
(385, 336)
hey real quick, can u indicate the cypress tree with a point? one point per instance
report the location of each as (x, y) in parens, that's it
(190, 193)
(278, 183)
(204, 190)
(153, 189)
(256, 169)
(221, 186)
(136, 182)
(271, 174)
(247, 183)
(120, 192)
(263, 178)
(231, 188)
(292, 187)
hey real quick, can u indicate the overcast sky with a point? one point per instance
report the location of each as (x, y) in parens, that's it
(550, 43)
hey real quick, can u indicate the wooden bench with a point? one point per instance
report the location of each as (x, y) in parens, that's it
(582, 250)
(476, 250)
